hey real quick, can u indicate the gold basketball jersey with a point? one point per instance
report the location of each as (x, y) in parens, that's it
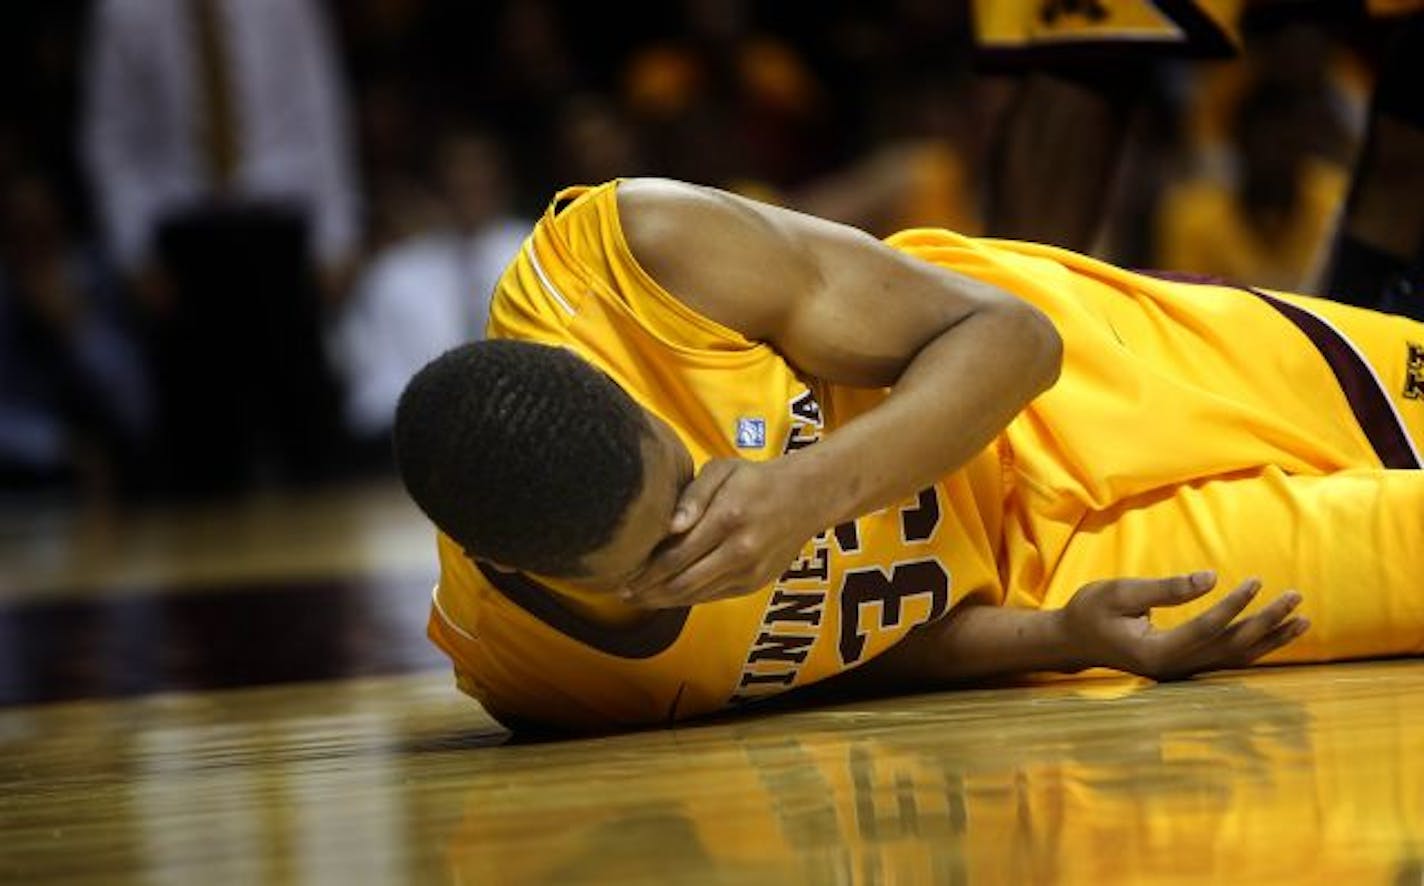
(1251, 379)
(530, 647)
(1273, 392)
(1064, 28)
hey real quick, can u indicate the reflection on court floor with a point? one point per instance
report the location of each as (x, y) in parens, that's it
(1303, 776)
(1291, 776)
(365, 765)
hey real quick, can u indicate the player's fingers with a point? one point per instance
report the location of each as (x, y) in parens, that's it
(671, 559)
(678, 552)
(1210, 624)
(701, 581)
(1245, 633)
(1281, 635)
(695, 497)
(1135, 596)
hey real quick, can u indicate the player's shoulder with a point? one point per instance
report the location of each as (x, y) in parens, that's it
(731, 259)
(661, 193)
(658, 213)
(677, 220)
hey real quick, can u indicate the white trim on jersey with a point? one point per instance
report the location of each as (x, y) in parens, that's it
(435, 599)
(549, 288)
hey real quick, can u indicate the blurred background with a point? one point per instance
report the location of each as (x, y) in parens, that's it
(229, 231)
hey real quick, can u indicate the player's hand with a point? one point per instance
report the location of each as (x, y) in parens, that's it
(736, 527)
(1106, 623)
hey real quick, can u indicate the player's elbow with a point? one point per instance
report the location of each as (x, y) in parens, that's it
(1037, 342)
(1050, 346)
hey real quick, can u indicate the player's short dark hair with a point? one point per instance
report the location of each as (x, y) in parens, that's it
(523, 454)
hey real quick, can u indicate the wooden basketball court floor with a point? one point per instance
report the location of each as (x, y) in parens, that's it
(244, 695)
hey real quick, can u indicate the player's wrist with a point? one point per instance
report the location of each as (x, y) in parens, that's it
(820, 486)
(1066, 649)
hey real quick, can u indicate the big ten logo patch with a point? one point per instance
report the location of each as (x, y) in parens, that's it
(1414, 373)
(751, 433)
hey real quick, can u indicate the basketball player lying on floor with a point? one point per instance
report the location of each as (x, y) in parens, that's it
(715, 450)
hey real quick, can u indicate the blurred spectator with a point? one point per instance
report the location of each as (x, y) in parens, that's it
(216, 138)
(1296, 59)
(1268, 225)
(223, 184)
(1378, 258)
(904, 184)
(74, 400)
(595, 143)
(919, 173)
(532, 64)
(723, 102)
(429, 291)
(394, 139)
(38, 45)
(533, 70)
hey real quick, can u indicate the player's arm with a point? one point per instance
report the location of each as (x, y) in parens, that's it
(962, 358)
(1104, 625)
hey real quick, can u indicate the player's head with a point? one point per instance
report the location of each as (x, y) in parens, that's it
(530, 458)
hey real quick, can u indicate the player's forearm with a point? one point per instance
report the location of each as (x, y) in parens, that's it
(1103, 625)
(959, 392)
(977, 642)
(982, 641)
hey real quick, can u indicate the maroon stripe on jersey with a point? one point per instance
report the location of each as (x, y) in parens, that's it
(1368, 401)
(644, 640)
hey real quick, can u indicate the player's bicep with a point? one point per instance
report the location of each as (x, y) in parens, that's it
(838, 303)
(874, 309)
